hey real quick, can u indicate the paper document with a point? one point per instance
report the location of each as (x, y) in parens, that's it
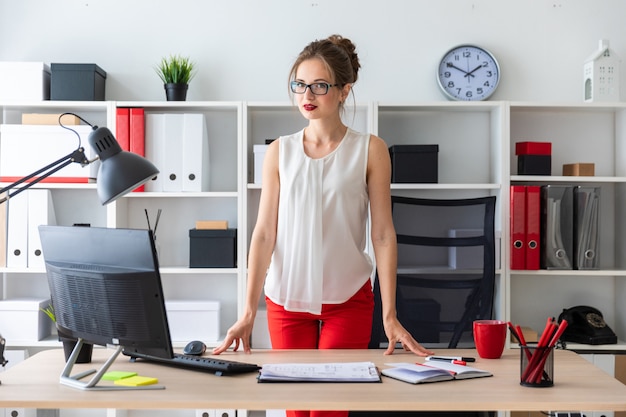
(319, 372)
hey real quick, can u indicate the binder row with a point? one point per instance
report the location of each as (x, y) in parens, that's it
(554, 227)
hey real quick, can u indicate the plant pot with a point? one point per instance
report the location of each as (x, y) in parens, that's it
(84, 356)
(176, 92)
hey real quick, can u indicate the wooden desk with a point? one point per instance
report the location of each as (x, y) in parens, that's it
(579, 385)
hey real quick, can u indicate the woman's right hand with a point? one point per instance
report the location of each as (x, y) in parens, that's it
(240, 332)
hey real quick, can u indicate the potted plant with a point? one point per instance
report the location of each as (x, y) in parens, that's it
(68, 342)
(176, 72)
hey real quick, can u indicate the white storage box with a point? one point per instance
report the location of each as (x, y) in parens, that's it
(193, 320)
(259, 156)
(470, 257)
(22, 320)
(25, 149)
(24, 81)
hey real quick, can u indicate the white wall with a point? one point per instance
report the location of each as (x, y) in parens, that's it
(244, 48)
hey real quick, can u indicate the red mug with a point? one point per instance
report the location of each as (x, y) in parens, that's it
(489, 337)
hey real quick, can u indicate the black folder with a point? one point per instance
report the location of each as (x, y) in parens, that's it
(586, 227)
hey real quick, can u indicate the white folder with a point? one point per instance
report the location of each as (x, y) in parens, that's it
(195, 153)
(40, 212)
(17, 231)
(172, 167)
(154, 147)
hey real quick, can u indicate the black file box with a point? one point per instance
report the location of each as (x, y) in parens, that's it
(77, 82)
(414, 163)
(212, 248)
(534, 165)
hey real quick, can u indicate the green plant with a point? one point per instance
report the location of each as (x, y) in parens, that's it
(49, 311)
(176, 69)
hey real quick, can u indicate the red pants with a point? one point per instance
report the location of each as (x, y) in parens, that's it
(339, 326)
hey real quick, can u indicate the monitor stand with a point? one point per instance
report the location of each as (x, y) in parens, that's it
(74, 381)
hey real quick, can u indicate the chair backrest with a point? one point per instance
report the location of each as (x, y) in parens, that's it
(446, 269)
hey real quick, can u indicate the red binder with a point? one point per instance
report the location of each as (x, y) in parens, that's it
(122, 127)
(518, 227)
(533, 226)
(137, 134)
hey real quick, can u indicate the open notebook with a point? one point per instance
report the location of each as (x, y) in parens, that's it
(431, 371)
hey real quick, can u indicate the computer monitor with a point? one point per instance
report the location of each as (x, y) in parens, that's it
(106, 289)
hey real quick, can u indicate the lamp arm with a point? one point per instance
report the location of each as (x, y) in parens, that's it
(77, 156)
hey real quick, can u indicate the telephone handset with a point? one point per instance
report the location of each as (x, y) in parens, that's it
(586, 325)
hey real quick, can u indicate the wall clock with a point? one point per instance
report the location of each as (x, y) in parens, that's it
(469, 73)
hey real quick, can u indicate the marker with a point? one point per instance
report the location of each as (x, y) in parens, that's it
(451, 358)
(452, 361)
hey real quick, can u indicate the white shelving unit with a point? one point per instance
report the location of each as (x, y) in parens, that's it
(579, 133)
(476, 158)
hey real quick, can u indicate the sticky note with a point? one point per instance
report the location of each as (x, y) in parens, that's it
(115, 375)
(136, 380)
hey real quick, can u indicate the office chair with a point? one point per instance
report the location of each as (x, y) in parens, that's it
(446, 269)
(445, 279)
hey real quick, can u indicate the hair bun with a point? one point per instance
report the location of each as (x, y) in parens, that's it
(350, 49)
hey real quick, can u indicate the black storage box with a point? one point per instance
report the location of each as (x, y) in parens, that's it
(81, 82)
(414, 163)
(212, 248)
(534, 165)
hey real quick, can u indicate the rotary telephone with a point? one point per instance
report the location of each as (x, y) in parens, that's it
(586, 325)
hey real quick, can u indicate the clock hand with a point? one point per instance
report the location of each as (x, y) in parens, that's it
(467, 74)
(471, 72)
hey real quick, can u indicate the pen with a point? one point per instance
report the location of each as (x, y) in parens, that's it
(451, 358)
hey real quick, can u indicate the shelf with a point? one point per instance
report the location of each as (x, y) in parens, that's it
(550, 179)
(571, 273)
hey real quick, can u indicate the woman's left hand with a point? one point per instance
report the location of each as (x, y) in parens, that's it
(396, 333)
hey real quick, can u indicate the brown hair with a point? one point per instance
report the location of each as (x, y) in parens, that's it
(337, 53)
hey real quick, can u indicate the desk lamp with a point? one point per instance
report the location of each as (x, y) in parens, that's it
(120, 172)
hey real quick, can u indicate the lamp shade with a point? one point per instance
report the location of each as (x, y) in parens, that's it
(120, 172)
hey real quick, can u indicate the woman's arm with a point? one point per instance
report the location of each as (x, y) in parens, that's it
(383, 237)
(261, 249)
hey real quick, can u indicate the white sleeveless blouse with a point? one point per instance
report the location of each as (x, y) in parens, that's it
(319, 257)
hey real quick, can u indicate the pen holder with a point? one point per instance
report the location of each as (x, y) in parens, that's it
(536, 366)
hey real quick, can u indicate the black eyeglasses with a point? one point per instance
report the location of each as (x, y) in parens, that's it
(319, 89)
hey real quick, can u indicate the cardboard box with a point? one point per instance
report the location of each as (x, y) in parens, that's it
(414, 163)
(193, 320)
(49, 119)
(470, 257)
(83, 82)
(212, 248)
(259, 156)
(579, 169)
(24, 81)
(22, 320)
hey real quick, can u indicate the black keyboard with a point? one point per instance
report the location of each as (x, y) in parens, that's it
(219, 366)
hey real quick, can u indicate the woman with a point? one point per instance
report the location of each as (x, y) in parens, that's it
(308, 246)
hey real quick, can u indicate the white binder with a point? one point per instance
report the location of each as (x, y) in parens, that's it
(154, 148)
(172, 168)
(17, 231)
(195, 153)
(40, 212)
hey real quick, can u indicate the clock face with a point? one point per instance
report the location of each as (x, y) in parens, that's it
(469, 73)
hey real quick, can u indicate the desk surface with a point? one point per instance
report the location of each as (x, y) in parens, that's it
(579, 385)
